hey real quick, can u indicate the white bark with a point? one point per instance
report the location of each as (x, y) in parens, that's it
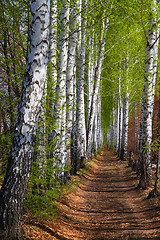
(94, 138)
(120, 129)
(79, 25)
(71, 85)
(148, 102)
(114, 124)
(125, 118)
(96, 89)
(120, 118)
(90, 78)
(124, 140)
(14, 187)
(110, 134)
(99, 124)
(117, 125)
(81, 127)
(52, 80)
(53, 43)
(74, 129)
(74, 157)
(60, 105)
(136, 125)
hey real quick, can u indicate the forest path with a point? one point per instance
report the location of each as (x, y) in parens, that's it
(106, 205)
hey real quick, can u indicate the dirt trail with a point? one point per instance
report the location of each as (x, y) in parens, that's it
(106, 205)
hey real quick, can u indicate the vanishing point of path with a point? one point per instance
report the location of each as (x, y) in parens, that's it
(106, 205)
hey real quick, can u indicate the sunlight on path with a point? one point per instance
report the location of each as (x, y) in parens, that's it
(106, 205)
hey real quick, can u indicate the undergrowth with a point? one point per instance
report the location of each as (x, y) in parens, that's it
(43, 206)
(84, 171)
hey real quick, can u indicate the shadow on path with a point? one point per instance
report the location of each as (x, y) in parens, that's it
(106, 206)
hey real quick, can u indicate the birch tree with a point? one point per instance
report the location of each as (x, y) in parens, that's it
(115, 125)
(96, 88)
(60, 104)
(53, 42)
(74, 134)
(124, 140)
(81, 126)
(52, 65)
(148, 100)
(14, 186)
(99, 123)
(51, 90)
(90, 77)
(119, 118)
(125, 119)
(71, 85)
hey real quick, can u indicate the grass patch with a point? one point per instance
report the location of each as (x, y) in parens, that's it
(89, 165)
(85, 170)
(71, 186)
(82, 173)
(44, 206)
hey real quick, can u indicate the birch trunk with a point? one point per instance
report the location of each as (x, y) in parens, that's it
(124, 140)
(75, 110)
(120, 130)
(110, 134)
(96, 89)
(113, 125)
(79, 25)
(117, 125)
(53, 45)
(136, 123)
(60, 105)
(51, 83)
(94, 144)
(148, 102)
(120, 119)
(74, 130)
(15, 183)
(99, 125)
(71, 85)
(52, 65)
(81, 126)
(90, 78)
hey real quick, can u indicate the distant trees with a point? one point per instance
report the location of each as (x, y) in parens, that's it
(135, 88)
